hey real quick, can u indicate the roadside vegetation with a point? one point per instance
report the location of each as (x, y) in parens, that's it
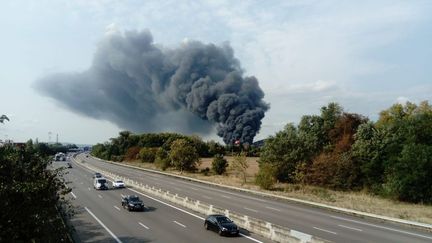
(336, 157)
(33, 206)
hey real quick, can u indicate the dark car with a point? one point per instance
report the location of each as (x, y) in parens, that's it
(132, 203)
(97, 175)
(221, 224)
(69, 165)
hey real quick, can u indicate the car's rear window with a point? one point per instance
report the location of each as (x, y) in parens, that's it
(102, 181)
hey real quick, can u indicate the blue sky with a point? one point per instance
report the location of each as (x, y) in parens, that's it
(366, 55)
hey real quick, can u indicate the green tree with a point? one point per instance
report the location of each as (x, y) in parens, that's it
(284, 151)
(183, 155)
(148, 154)
(219, 164)
(409, 178)
(162, 159)
(31, 197)
(265, 177)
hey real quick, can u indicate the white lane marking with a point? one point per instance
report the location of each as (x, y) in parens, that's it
(103, 225)
(82, 183)
(157, 200)
(73, 195)
(143, 225)
(182, 225)
(328, 231)
(186, 212)
(206, 197)
(250, 209)
(122, 195)
(344, 226)
(382, 227)
(275, 209)
(89, 188)
(99, 196)
(226, 197)
(194, 189)
(117, 208)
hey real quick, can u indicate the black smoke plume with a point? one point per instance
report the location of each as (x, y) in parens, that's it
(145, 88)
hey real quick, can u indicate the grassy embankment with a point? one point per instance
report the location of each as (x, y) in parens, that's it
(360, 201)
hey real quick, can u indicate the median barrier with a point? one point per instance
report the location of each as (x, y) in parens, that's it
(271, 231)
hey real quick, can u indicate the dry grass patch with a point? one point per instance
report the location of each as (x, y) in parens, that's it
(360, 201)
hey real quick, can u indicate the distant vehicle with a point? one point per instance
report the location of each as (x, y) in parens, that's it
(97, 175)
(100, 184)
(221, 224)
(118, 184)
(60, 157)
(69, 165)
(132, 203)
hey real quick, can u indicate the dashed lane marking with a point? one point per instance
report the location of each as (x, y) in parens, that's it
(328, 231)
(143, 225)
(351, 228)
(182, 225)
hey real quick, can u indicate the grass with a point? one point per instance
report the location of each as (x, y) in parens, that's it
(360, 201)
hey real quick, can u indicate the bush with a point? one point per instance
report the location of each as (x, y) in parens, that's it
(183, 155)
(219, 164)
(148, 154)
(132, 153)
(162, 160)
(205, 171)
(266, 176)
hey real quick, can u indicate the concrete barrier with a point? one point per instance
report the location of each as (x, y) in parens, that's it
(266, 229)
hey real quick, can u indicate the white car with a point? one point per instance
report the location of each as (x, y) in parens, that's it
(100, 184)
(118, 184)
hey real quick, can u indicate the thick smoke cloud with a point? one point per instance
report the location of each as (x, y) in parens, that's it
(145, 88)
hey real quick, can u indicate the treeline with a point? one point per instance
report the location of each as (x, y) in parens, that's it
(165, 149)
(391, 157)
(32, 195)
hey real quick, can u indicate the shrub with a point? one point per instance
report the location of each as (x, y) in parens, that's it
(266, 176)
(148, 154)
(205, 171)
(162, 160)
(219, 164)
(132, 153)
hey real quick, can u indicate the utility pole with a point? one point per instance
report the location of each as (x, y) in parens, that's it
(57, 138)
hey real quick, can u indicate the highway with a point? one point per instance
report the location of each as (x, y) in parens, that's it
(333, 226)
(99, 216)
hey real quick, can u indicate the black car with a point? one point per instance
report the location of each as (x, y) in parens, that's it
(97, 175)
(69, 165)
(132, 203)
(221, 224)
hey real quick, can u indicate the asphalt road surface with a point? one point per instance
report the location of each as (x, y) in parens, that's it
(333, 226)
(100, 217)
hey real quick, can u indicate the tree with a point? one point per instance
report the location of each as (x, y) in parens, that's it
(148, 154)
(162, 159)
(284, 151)
(183, 155)
(265, 177)
(219, 164)
(31, 196)
(409, 178)
(240, 165)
